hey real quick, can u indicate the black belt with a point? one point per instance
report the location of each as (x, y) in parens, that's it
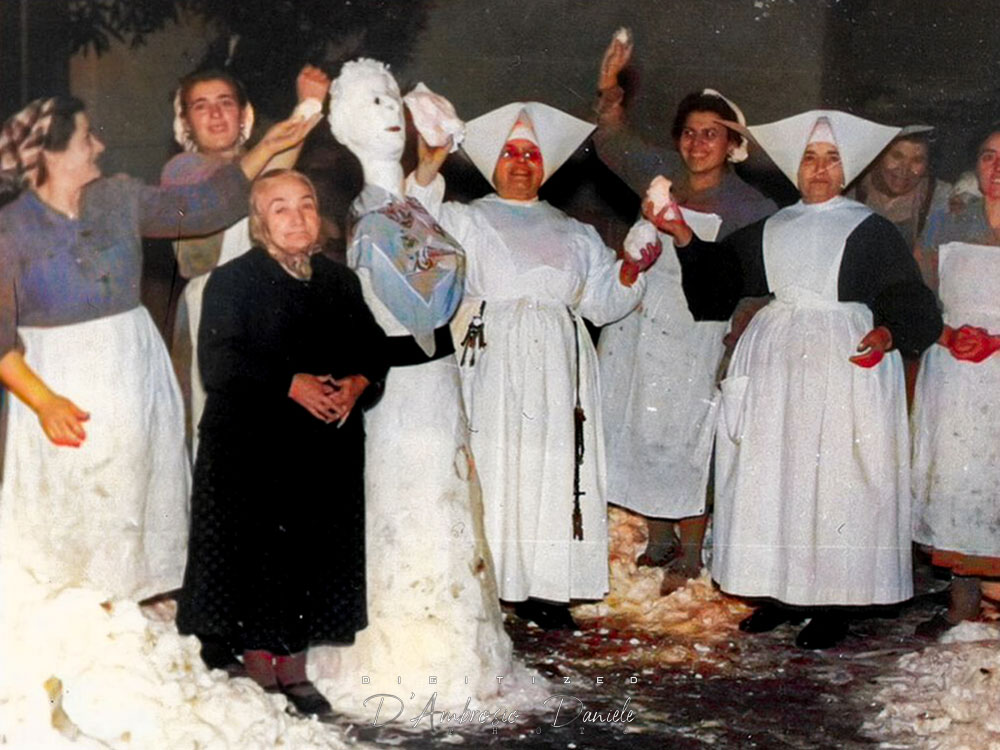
(404, 351)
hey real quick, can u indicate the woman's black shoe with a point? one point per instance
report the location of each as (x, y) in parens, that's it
(546, 615)
(307, 699)
(766, 618)
(824, 631)
(218, 654)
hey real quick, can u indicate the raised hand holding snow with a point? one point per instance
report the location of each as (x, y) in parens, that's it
(435, 118)
(660, 208)
(616, 57)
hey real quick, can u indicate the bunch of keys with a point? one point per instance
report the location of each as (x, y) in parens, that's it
(474, 337)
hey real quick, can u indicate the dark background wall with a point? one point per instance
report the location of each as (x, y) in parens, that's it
(898, 61)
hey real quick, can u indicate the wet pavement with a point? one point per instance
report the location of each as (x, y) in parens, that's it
(622, 687)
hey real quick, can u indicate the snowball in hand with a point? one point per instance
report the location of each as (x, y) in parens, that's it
(434, 117)
(658, 193)
(641, 234)
(308, 108)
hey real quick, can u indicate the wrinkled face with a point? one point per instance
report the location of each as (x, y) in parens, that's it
(212, 111)
(288, 213)
(988, 167)
(369, 118)
(902, 165)
(821, 174)
(519, 171)
(77, 164)
(704, 143)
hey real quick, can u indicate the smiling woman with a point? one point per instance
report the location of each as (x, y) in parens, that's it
(802, 532)
(519, 170)
(956, 473)
(85, 360)
(821, 175)
(216, 111)
(212, 122)
(658, 365)
(901, 185)
(532, 393)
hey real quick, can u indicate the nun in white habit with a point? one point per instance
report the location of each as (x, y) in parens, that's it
(539, 272)
(813, 494)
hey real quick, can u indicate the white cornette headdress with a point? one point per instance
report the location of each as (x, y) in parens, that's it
(739, 153)
(558, 135)
(858, 140)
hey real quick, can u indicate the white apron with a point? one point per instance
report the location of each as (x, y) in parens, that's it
(956, 415)
(112, 514)
(659, 398)
(812, 473)
(235, 242)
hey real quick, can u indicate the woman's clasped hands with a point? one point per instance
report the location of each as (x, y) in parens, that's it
(327, 398)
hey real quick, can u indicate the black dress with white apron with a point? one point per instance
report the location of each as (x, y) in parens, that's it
(813, 494)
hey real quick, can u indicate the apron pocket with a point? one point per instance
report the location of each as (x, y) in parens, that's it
(734, 391)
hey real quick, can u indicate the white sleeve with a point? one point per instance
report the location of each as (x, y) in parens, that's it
(605, 299)
(430, 196)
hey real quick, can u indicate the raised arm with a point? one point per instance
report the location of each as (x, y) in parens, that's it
(184, 210)
(634, 160)
(285, 136)
(311, 86)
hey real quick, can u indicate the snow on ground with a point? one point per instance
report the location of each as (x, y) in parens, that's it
(79, 671)
(83, 672)
(946, 696)
(697, 615)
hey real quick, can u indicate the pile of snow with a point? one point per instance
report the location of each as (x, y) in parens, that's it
(634, 603)
(945, 697)
(81, 671)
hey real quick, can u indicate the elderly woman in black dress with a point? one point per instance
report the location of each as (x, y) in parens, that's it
(288, 348)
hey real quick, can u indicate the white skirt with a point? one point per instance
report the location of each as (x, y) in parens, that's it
(812, 473)
(113, 513)
(659, 399)
(956, 452)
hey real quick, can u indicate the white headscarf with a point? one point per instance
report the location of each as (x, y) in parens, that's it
(740, 152)
(557, 135)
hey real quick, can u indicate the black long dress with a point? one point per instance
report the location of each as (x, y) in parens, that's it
(276, 558)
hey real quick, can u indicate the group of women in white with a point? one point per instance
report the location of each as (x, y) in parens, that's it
(484, 473)
(816, 497)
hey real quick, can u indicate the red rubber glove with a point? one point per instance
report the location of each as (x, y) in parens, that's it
(631, 268)
(873, 347)
(969, 343)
